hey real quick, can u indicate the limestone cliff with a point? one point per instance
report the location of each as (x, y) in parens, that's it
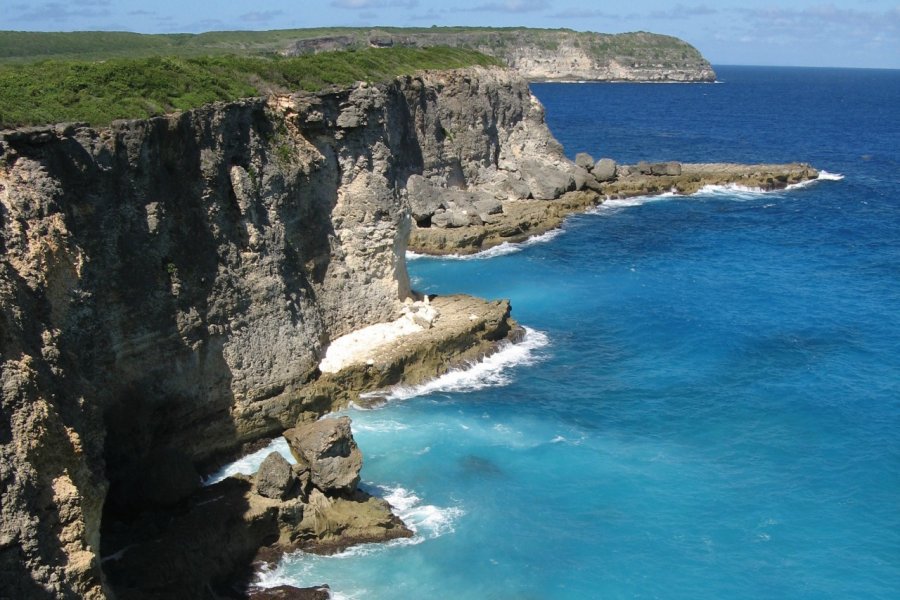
(544, 54)
(169, 286)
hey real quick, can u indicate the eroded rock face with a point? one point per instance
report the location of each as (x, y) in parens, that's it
(329, 449)
(171, 283)
(275, 478)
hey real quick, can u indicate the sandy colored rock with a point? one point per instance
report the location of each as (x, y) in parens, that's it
(172, 284)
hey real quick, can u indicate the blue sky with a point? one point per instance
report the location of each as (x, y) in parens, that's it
(858, 33)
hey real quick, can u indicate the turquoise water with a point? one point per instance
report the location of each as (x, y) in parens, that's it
(708, 401)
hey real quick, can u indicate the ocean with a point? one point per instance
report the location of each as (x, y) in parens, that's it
(707, 403)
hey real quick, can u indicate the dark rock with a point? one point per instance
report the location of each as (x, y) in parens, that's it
(605, 170)
(584, 160)
(328, 447)
(289, 592)
(275, 478)
(169, 477)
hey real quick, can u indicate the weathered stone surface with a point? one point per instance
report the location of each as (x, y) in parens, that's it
(644, 168)
(691, 177)
(450, 218)
(486, 207)
(585, 180)
(289, 592)
(424, 198)
(172, 283)
(666, 168)
(584, 160)
(275, 478)
(547, 182)
(605, 170)
(328, 447)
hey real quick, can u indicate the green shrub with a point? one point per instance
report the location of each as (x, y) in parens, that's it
(100, 92)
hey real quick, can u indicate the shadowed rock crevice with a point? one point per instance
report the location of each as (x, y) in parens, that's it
(169, 287)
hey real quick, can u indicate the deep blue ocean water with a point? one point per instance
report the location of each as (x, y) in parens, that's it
(708, 402)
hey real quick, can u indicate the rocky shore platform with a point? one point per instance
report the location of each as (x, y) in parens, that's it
(213, 539)
(462, 229)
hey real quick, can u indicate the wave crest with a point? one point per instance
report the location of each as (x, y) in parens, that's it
(491, 371)
(499, 250)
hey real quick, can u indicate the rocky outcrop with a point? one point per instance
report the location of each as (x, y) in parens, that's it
(330, 451)
(526, 218)
(195, 550)
(169, 287)
(544, 54)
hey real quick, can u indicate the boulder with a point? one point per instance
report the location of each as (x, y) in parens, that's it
(547, 182)
(583, 179)
(584, 160)
(507, 186)
(275, 478)
(487, 206)
(644, 168)
(667, 168)
(605, 170)
(424, 198)
(450, 218)
(328, 447)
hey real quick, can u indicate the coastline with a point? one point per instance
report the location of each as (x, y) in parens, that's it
(522, 219)
(217, 339)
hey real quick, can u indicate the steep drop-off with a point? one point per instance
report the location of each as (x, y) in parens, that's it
(545, 54)
(169, 286)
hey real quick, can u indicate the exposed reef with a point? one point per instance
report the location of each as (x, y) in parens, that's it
(518, 219)
(197, 548)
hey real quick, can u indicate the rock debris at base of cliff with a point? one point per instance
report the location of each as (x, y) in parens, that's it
(169, 287)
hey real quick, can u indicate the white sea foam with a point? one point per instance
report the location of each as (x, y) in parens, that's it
(492, 371)
(250, 464)
(499, 250)
(731, 190)
(425, 520)
(380, 426)
(611, 204)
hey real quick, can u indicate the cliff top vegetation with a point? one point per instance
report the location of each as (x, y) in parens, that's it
(98, 92)
(25, 46)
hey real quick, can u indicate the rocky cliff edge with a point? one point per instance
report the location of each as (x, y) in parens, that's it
(169, 286)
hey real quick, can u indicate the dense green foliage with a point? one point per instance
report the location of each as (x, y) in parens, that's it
(100, 92)
(21, 46)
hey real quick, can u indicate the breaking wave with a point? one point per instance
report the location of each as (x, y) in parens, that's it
(249, 464)
(491, 371)
(500, 250)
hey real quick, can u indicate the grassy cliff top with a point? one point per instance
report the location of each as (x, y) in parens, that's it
(22, 46)
(99, 92)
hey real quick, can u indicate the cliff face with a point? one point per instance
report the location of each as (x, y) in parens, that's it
(169, 286)
(548, 54)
